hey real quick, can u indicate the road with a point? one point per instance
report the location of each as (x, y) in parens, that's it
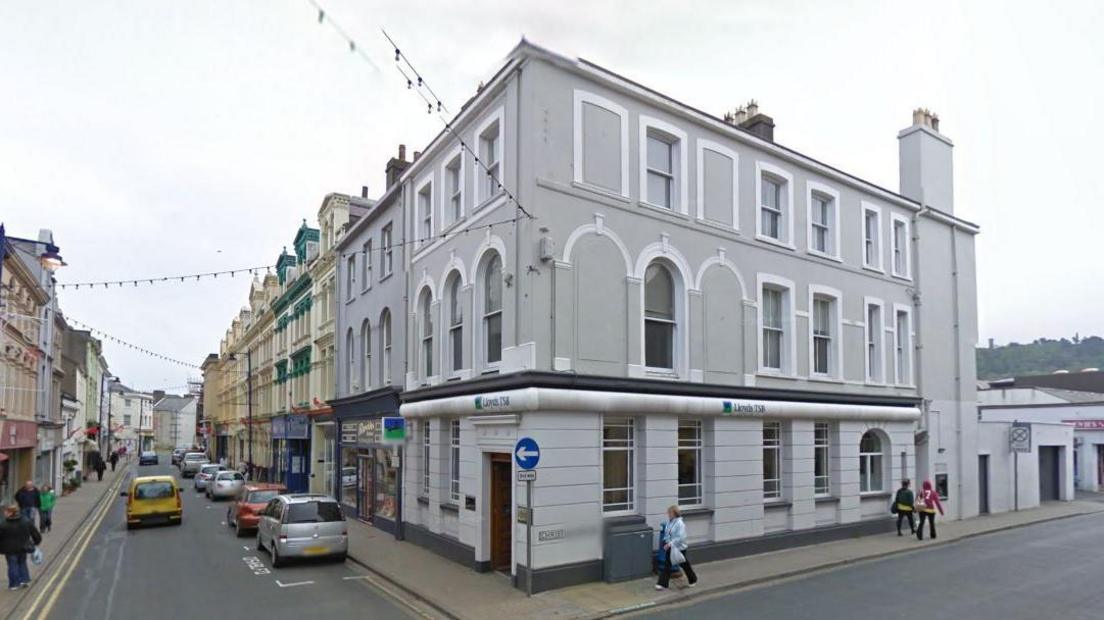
(200, 569)
(1049, 570)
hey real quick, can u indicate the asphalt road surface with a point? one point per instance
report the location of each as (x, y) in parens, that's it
(1049, 570)
(199, 569)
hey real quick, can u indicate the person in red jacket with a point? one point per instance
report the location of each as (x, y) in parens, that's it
(927, 502)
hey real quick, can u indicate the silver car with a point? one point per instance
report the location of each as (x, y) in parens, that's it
(192, 461)
(302, 526)
(225, 484)
(205, 475)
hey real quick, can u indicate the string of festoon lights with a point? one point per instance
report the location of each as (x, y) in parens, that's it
(212, 275)
(419, 85)
(106, 336)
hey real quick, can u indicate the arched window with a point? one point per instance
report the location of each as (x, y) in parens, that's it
(456, 324)
(425, 319)
(659, 317)
(871, 462)
(385, 347)
(366, 346)
(350, 361)
(492, 310)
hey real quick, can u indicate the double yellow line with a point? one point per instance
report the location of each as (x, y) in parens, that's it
(49, 592)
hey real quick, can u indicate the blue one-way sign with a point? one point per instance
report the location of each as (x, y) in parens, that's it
(526, 453)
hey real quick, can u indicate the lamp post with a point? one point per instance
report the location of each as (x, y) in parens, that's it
(49, 258)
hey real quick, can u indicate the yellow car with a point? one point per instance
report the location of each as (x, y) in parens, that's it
(153, 499)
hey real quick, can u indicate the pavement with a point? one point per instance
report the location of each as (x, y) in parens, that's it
(198, 569)
(455, 591)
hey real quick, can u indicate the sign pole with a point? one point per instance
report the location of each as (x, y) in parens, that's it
(529, 538)
(1016, 478)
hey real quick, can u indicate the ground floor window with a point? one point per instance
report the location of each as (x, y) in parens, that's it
(689, 462)
(618, 455)
(821, 443)
(870, 463)
(772, 460)
(349, 476)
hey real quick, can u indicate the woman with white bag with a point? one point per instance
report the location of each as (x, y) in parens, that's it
(674, 547)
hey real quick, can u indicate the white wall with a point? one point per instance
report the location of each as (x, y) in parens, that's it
(993, 441)
(1016, 396)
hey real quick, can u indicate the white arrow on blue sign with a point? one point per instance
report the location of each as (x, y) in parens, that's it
(526, 453)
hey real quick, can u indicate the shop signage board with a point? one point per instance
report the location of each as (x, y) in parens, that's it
(1019, 437)
(1086, 424)
(290, 427)
(394, 430)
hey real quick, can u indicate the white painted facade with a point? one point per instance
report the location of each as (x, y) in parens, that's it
(1004, 492)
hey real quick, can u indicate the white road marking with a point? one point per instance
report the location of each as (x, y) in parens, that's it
(292, 585)
(224, 523)
(246, 547)
(357, 577)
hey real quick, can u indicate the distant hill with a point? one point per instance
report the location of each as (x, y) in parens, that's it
(1043, 356)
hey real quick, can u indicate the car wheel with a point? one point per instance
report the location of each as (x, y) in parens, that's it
(340, 559)
(238, 531)
(277, 561)
(260, 547)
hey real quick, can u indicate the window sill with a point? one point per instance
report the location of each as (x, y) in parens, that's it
(423, 500)
(662, 209)
(819, 254)
(661, 373)
(879, 384)
(696, 511)
(825, 379)
(766, 372)
(773, 241)
(349, 300)
(826, 499)
(365, 290)
(875, 495)
(903, 277)
(874, 268)
(450, 507)
(776, 504)
(730, 229)
(486, 202)
(453, 226)
(386, 276)
(608, 193)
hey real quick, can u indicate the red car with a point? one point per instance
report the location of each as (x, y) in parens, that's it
(242, 513)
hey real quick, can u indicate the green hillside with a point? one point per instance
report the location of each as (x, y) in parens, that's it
(1040, 357)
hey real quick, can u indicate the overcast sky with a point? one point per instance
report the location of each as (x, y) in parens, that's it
(159, 137)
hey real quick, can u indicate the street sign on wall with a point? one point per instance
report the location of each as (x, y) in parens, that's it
(1019, 437)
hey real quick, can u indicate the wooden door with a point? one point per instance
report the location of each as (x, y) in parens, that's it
(502, 501)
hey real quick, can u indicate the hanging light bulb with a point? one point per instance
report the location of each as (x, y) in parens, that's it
(352, 45)
(397, 54)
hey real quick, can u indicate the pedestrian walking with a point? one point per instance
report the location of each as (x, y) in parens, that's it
(46, 500)
(18, 538)
(674, 546)
(903, 506)
(114, 458)
(100, 467)
(27, 498)
(927, 503)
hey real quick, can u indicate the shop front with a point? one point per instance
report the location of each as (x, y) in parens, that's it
(222, 443)
(18, 440)
(291, 452)
(368, 481)
(323, 450)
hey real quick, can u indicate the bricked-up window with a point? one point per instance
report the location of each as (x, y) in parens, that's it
(425, 458)
(689, 462)
(772, 460)
(871, 458)
(618, 458)
(821, 444)
(454, 461)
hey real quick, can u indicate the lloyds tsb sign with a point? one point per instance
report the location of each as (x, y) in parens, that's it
(491, 402)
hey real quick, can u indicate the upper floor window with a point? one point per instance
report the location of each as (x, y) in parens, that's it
(454, 190)
(659, 317)
(456, 323)
(662, 164)
(385, 343)
(717, 184)
(366, 347)
(901, 267)
(425, 353)
(774, 187)
(872, 239)
(776, 322)
(823, 220)
(492, 310)
(490, 155)
(773, 329)
(825, 335)
(601, 143)
(367, 284)
(425, 213)
(386, 249)
(875, 353)
(350, 361)
(350, 277)
(902, 345)
(660, 170)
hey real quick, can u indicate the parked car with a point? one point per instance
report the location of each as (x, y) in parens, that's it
(153, 499)
(225, 485)
(192, 461)
(178, 455)
(242, 512)
(302, 526)
(205, 475)
(149, 457)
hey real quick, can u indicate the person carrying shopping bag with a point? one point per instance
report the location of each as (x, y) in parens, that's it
(927, 503)
(674, 546)
(18, 539)
(902, 506)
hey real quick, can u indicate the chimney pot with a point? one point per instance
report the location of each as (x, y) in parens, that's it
(363, 191)
(417, 154)
(402, 152)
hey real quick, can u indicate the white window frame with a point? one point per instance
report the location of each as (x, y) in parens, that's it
(454, 298)
(812, 188)
(905, 252)
(630, 449)
(454, 461)
(366, 267)
(350, 277)
(385, 343)
(822, 485)
(581, 97)
(479, 171)
(868, 207)
(772, 450)
(677, 138)
(366, 358)
(787, 224)
(789, 343)
(835, 354)
(387, 233)
(456, 156)
(350, 361)
(426, 452)
(904, 345)
(480, 309)
(866, 464)
(421, 238)
(719, 149)
(679, 299)
(425, 361)
(694, 445)
(878, 332)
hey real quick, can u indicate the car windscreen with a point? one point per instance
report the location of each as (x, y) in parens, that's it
(209, 469)
(262, 497)
(153, 490)
(314, 512)
(230, 476)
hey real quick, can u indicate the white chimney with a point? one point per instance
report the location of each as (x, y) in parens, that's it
(926, 167)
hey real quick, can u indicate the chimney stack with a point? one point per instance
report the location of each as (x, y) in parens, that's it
(926, 164)
(363, 191)
(751, 120)
(395, 167)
